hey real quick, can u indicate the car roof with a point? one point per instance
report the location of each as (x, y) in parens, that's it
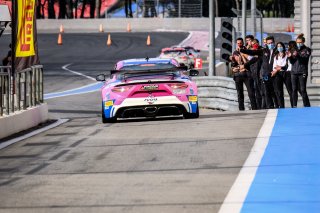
(138, 61)
(173, 48)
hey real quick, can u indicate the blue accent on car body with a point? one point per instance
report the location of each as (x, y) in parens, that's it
(194, 106)
(108, 109)
(288, 177)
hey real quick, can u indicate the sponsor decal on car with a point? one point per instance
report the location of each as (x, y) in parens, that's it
(108, 104)
(151, 99)
(150, 87)
(193, 98)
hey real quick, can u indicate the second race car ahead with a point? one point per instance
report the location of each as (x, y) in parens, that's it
(148, 88)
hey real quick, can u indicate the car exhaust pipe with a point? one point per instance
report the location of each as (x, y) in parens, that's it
(151, 111)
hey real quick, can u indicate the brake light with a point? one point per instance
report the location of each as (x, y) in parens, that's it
(178, 86)
(121, 89)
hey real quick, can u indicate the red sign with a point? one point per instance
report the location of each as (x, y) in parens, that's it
(198, 63)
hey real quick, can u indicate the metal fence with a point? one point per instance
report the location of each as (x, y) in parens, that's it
(20, 91)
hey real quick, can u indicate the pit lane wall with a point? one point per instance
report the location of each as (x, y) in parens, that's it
(148, 24)
(22, 120)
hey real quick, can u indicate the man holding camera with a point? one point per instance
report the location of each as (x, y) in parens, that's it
(240, 66)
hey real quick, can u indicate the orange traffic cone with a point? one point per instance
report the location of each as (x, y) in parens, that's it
(59, 39)
(109, 40)
(288, 28)
(101, 28)
(61, 29)
(148, 41)
(128, 27)
(292, 28)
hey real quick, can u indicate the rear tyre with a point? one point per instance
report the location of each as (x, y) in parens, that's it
(107, 120)
(192, 115)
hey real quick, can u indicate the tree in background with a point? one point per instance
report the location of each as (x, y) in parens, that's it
(51, 13)
(270, 8)
(62, 9)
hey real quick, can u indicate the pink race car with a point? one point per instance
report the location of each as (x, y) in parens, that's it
(148, 88)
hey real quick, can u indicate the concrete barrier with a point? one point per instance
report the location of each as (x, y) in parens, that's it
(217, 92)
(148, 24)
(22, 120)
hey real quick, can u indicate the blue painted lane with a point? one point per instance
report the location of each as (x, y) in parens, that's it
(288, 178)
(82, 90)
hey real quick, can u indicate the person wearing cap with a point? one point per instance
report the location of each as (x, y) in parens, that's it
(299, 73)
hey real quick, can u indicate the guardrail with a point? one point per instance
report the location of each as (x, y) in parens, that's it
(21, 91)
(218, 92)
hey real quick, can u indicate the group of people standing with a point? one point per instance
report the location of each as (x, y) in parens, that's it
(266, 69)
(149, 8)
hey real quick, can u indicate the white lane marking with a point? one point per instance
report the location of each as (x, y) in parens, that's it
(77, 91)
(185, 40)
(38, 131)
(238, 192)
(65, 67)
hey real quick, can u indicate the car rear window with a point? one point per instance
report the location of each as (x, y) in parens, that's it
(148, 66)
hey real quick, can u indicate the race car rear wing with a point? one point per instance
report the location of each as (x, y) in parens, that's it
(151, 71)
(138, 73)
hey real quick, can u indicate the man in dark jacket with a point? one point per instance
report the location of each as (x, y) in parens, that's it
(255, 72)
(299, 73)
(241, 75)
(267, 58)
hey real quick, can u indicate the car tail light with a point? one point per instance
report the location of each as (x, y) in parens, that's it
(121, 89)
(184, 57)
(178, 88)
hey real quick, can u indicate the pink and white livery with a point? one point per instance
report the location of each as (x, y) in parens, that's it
(148, 88)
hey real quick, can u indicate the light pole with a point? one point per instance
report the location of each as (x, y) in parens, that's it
(244, 18)
(212, 55)
(253, 16)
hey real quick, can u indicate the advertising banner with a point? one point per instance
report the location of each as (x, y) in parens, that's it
(26, 51)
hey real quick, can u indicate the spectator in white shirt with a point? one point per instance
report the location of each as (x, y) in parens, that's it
(281, 75)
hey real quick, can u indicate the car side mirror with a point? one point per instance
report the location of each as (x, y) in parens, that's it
(183, 66)
(101, 77)
(193, 72)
